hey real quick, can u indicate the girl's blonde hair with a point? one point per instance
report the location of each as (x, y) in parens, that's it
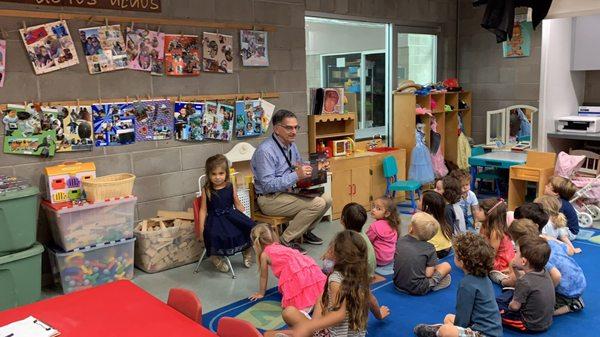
(350, 254)
(495, 214)
(393, 219)
(262, 235)
(213, 163)
(552, 205)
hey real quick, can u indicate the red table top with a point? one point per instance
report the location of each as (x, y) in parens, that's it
(118, 309)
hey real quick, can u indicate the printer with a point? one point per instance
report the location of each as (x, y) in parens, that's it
(578, 124)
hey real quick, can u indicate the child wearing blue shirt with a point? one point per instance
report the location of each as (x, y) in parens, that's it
(477, 313)
(565, 190)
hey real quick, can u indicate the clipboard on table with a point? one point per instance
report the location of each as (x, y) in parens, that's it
(28, 327)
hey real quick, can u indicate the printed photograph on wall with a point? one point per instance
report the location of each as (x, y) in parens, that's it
(2, 61)
(23, 133)
(520, 43)
(333, 101)
(218, 121)
(188, 119)
(114, 124)
(248, 120)
(153, 120)
(145, 50)
(104, 48)
(49, 46)
(254, 48)
(217, 53)
(268, 108)
(182, 55)
(73, 126)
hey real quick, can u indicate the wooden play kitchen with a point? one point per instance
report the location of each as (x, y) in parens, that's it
(358, 175)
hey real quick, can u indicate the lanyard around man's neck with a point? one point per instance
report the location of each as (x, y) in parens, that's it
(288, 157)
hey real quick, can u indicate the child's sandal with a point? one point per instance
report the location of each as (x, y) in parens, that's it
(220, 265)
(247, 259)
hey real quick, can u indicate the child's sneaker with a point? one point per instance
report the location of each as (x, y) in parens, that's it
(220, 264)
(497, 276)
(444, 283)
(424, 330)
(247, 255)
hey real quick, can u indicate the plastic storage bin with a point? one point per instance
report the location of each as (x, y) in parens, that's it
(21, 277)
(18, 219)
(91, 266)
(77, 226)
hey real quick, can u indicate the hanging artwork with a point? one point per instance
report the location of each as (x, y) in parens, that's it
(520, 43)
(188, 119)
(218, 121)
(333, 101)
(182, 55)
(2, 61)
(23, 133)
(217, 53)
(49, 46)
(145, 50)
(104, 48)
(254, 48)
(114, 124)
(73, 126)
(153, 120)
(248, 120)
(268, 109)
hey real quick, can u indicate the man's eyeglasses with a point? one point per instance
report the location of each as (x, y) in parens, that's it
(290, 128)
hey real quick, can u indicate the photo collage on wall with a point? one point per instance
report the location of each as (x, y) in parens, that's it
(145, 50)
(254, 48)
(153, 120)
(104, 48)
(188, 120)
(49, 46)
(2, 61)
(114, 124)
(182, 55)
(73, 127)
(267, 108)
(23, 133)
(248, 120)
(217, 53)
(218, 121)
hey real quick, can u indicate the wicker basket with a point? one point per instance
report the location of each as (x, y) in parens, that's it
(111, 186)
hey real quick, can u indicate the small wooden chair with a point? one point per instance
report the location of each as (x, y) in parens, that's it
(591, 164)
(275, 221)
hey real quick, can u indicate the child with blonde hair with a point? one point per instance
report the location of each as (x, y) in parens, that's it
(383, 234)
(301, 281)
(565, 190)
(416, 268)
(557, 224)
(343, 309)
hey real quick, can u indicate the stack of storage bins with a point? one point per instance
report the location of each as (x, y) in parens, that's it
(94, 240)
(20, 254)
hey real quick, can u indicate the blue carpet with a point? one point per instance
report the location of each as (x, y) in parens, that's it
(408, 311)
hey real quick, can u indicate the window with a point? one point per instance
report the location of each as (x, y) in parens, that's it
(417, 57)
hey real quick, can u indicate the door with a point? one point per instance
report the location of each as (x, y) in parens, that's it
(361, 186)
(341, 189)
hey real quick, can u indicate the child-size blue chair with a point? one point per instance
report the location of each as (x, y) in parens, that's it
(390, 171)
(487, 174)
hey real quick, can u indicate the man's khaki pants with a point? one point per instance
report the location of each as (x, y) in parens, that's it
(306, 212)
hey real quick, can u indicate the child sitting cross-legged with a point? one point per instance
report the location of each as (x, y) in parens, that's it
(564, 189)
(416, 268)
(532, 304)
(433, 203)
(468, 201)
(383, 233)
(477, 312)
(557, 224)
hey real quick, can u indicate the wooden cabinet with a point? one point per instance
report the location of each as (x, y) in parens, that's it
(350, 182)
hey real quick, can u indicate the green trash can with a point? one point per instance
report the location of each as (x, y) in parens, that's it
(18, 219)
(21, 277)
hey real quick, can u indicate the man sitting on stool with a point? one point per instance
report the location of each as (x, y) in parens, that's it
(277, 166)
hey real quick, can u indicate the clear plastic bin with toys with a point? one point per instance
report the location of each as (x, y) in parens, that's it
(76, 225)
(92, 266)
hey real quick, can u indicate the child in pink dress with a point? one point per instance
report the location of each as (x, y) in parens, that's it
(492, 215)
(301, 281)
(383, 234)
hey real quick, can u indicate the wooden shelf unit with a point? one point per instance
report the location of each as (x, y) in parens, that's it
(329, 127)
(405, 120)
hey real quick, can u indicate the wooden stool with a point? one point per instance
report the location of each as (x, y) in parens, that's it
(538, 168)
(276, 222)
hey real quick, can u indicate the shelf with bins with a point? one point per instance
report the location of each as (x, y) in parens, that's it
(330, 127)
(405, 119)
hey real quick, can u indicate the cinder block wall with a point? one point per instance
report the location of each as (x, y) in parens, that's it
(496, 82)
